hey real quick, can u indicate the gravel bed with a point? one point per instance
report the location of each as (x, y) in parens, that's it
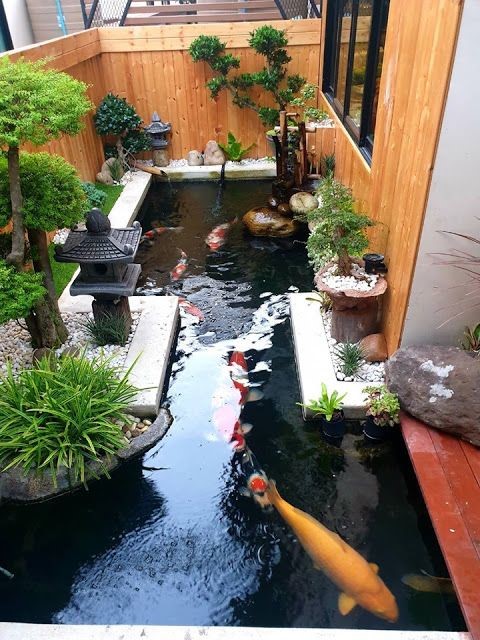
(369, 372)
(359, 280)
(15, 342)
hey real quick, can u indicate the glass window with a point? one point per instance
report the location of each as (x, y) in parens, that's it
(5, 39)
(355, 38)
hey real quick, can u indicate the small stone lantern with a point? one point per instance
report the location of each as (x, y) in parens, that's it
(157, 130)
(107, 272)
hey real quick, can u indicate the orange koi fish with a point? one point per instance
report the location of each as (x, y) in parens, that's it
(217, 236)
(158, 231)
(178, 271)
(190, 308)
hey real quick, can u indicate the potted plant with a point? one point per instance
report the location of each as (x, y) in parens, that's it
(383, 410)
(336, 240)
(329, 408)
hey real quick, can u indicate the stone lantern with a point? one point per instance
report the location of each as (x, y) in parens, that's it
(157, 130)
(107, 272)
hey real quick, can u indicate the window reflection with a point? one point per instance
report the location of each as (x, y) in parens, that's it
(362, 38)
(345, 28)
(378, 73)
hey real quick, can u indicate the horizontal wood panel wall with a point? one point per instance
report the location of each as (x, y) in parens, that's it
(419, 52)
(151, 67)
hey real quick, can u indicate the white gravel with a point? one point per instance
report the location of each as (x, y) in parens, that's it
(359, 280)
(15, 342)
(368, 372)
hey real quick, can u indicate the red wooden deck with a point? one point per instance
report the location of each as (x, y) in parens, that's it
(448, 471)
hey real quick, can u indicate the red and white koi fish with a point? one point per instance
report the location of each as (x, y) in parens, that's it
(177, 272)
(217, 236)
(237, 440)
(190, 308)
(158, 231)
(239, 376)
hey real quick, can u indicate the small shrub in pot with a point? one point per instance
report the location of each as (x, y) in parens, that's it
(330, 408)
(383, 410)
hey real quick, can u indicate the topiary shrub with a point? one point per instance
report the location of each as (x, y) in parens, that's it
(116, 117)
(19, 292)
(272, 78)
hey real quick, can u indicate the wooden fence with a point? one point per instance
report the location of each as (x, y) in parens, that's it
(418, 57)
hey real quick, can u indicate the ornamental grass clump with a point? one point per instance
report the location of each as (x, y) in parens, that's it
(338, 230)
(351, 356)
(62, 414)
(109, 329)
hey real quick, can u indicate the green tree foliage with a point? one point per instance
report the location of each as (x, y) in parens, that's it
(96, 197)
(37, 105)
(338, 229)
(116, 117)
(53, 196)
(266, 41)
(19, 291)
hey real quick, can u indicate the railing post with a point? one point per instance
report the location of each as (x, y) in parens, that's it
(281, 9)
(125, 13)
(84, 13)
(92, 14)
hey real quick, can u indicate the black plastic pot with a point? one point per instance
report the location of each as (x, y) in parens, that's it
(374, 263)
(334, 428)
(374, 432)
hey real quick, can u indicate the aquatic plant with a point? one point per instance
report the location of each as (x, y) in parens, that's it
(62, 413)
(382, 405)
(233, 149)
(108, 329)
(338, 228)
(351, 355)
(327, 405)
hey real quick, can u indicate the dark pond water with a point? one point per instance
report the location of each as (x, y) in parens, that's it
(171, 539)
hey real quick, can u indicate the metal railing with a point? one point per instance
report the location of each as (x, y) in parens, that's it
(113, 13)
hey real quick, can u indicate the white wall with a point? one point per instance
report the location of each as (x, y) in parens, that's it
(18, 22)
(441, 292)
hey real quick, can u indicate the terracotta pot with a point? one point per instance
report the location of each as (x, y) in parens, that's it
(354, 313)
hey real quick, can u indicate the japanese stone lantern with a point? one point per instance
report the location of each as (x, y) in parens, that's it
(157, 130)
(107, 272)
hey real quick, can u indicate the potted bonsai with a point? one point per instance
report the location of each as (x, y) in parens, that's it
(337, 239)
(330, 409)
(383, 410)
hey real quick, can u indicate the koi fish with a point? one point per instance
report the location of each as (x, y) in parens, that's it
(257, 481)
(157, 231)
(239, 375)
(177, 272)
(357, 579)
(217, 236)
(428, 583)
(237, 440)
(190, 308)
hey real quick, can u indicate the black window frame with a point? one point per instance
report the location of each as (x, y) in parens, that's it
(360, 134)
(4, 28)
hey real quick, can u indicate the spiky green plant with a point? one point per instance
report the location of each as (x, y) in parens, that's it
(327, 405)
(233, 149)
(62, 413)
(351, 354)
(109, 329)
(471, 339)
(322, 298)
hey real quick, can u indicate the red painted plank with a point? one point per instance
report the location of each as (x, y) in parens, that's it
(460, 555)
(463, 483)
(473, 456)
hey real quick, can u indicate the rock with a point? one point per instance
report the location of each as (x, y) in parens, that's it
(128, 434)
(374, 347)
(284, 209)
(194, 158)
(42, 352)
(213, 154)
(263, 221)
(440, 386)
(160, 158)
(104, 177)
(303, 202)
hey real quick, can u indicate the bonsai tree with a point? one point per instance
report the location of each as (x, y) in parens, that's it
(272, 78)
(338, 230)
(32, 112)
(52, 197)
(116, 117)
(383, 406)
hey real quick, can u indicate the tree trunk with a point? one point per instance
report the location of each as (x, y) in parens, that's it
(45, 323)
(344, 263)
(17, 254)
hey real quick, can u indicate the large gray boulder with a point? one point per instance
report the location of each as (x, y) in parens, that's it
(440, 386)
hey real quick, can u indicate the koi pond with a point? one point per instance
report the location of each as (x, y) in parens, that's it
(174, 538)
